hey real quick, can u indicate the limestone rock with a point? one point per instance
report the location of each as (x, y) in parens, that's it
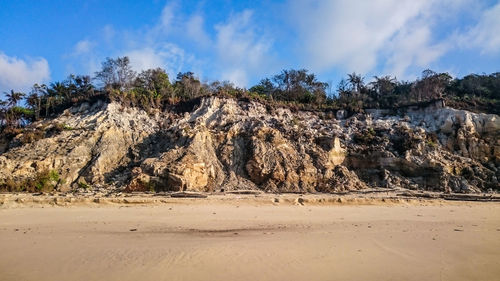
(229, 144)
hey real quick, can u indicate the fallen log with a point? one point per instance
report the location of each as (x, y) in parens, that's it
(471, 197)
(187, 195)
(453, 196)
(249, 192)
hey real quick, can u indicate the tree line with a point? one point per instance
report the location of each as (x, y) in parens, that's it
(152, 89)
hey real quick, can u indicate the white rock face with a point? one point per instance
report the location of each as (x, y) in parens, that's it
(476, 135)
(229, 144)
(96, 143)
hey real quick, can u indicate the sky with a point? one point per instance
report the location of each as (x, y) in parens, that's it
(244, 41)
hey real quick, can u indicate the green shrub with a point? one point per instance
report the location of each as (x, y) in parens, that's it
(59, 127)
(83, 185)
(67, 127)
(432, 140)
(365, 137)
(11, 185)
(44, 181)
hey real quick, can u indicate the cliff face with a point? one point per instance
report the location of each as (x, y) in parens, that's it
(225, 144)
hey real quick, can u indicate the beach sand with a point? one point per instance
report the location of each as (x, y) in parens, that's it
(203, 239)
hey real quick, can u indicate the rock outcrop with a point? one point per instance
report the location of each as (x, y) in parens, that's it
(93, 144)
(229, 144)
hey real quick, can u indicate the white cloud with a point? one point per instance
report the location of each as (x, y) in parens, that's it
(410, 48)
(167, 56)
(485, 35)
(143, 59)
(108, 33)
(240, 50)
(366, 35)
(236, 50)
(18, 74)
(167, 17)
(195, 30)
(83, 58)
(83, 47)
(237, 76)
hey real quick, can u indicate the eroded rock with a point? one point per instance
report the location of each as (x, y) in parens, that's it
(226, 144)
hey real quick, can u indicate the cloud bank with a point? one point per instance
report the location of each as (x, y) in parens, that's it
(485, 35)
(241, 51)
(356, 34)
(233, 49)
(393, 36)
(397, 37)
(19, 75)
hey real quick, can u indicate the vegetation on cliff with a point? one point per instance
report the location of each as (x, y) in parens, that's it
(152, 89)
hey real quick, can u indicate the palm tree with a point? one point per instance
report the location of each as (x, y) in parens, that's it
(34, 101)
(14, 97)
(10, 113)
(59, 92)
(49, 101)
(383, 85)
(3, 112)
(356, 81)
(343, 89)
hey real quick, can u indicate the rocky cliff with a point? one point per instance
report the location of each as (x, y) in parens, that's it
(227, 144)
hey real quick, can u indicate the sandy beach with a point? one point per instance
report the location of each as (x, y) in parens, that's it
(203, 239)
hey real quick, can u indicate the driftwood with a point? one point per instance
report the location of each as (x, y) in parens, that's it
(249, 191)
(453, 196)
(419, 195)
(187, 195)
(471, 197)
(375, 190)
(379, 190)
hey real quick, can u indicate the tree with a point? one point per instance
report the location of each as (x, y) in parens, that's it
(12, 114)
(77, 88)
(153, 86)
(14, 97)
(155, 81)
(226, 88)
(298, 85)
(356, 81)
(84, 87)
(3, 113)
(116, 74)
(343, 89)
(428, 73)
(34, 100)
(264, 88)
(431, 85)
(383, 86)
(107, 75)
(124, 73)
(187, 86)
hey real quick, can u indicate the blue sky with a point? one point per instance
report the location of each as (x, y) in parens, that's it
(244, 41)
